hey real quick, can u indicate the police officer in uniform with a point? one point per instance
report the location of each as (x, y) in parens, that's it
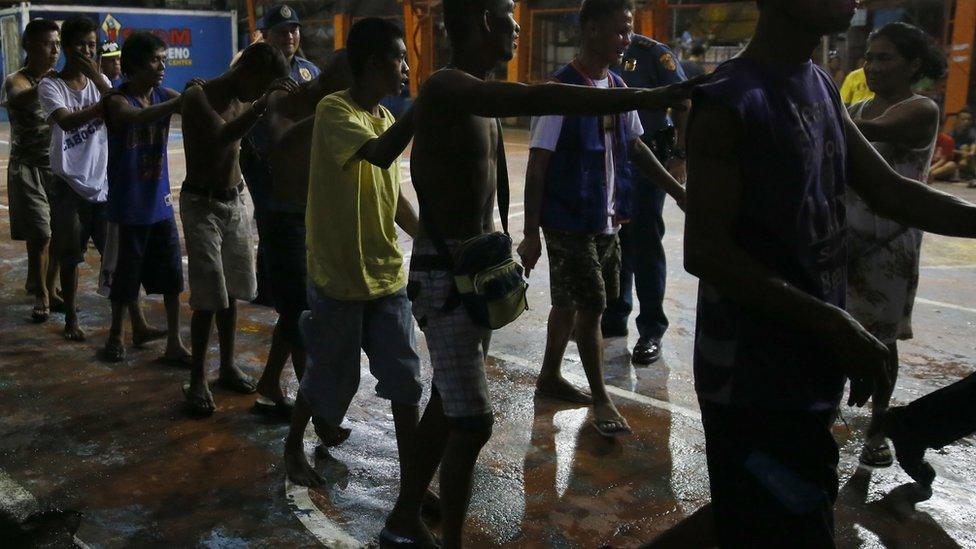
(648, 64)
(280, 28)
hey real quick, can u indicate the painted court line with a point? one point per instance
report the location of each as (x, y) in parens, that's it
(947, 267)
(322, 527)
(944, 305)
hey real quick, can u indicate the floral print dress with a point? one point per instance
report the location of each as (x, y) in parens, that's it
(884, 255)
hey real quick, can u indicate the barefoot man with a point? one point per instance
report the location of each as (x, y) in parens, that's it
(289, 123)
(454, 163)
(216, 224)
(143, 244)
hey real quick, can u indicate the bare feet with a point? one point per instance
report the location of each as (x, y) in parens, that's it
(199, 399)
(413, 529)
(298, 469)
(560, 389)
(73, 332)
(234, 379)
(177, 355)
(608, 420)
(142, 337)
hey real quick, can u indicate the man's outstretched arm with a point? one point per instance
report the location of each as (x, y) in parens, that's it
(459, 91)
(384, 150)
(712, 254)
(901, 199)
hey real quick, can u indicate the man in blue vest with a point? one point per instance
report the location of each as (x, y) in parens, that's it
(280, 28)
(647, 63)
(578, 189)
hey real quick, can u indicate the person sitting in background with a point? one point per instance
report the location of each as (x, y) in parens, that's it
(693, 66)
(111, 63)
(964, 134)
(944, 161)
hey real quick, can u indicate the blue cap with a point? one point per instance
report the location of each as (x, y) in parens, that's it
(281, 14)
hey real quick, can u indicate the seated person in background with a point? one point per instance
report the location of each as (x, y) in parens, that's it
(964, 134)
(944, 161)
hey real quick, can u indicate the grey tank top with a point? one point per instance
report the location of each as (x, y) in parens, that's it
(30, 134)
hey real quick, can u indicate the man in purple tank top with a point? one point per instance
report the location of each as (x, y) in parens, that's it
(143, 244)
(771, 154)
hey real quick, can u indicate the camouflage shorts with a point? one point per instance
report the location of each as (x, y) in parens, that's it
(584, 269)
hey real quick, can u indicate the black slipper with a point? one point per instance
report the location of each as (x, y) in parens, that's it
(389, 540)
(280, 410)
(243, 385)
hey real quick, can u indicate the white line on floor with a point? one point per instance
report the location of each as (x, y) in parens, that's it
(617, 391)
(947, 267)
(315, 521)
(944, 305)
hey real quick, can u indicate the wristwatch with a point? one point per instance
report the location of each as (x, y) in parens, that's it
(679, 154)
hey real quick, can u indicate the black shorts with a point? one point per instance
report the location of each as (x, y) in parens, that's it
(142, 255)
(284, 247)
(773, 476)
(75, 221)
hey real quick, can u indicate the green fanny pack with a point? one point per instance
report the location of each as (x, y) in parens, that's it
(488, 282)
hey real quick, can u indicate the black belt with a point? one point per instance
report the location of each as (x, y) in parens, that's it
(224, 195)
(429, 263)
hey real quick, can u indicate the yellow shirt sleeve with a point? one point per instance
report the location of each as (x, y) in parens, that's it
(343, 131)
(847, 89)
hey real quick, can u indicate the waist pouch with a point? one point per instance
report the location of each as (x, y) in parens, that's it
(489, 282)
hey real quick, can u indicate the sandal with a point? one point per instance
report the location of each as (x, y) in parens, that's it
(389, 540)
(280, 410)
(113, 352)
(611, 428)
(877, 456)
(40, 314)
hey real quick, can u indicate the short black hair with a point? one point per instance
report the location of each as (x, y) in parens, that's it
(458, 15)
(598, 10)
(77, 27)
(913, 44)
(368, 37)
(698, 50)
(138, 49)
(37, 27)
(262, 57)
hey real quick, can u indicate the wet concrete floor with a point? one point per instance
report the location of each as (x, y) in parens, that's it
(112, 441)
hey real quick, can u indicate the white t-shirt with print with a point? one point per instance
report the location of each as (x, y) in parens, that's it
(545, 132)
(79, 156)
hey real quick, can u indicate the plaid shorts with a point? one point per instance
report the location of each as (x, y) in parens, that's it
(584, 269)
(456, 344)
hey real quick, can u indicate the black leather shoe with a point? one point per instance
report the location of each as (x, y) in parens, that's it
(646, 352)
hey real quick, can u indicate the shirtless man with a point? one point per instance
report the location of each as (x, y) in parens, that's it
(216, 225)
(289, 124)
(454, 169)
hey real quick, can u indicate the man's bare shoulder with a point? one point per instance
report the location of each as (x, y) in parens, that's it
(16, 83)
(447, 81)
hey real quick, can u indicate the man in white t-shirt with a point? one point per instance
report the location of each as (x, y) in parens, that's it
(71, 101)
(577, 190)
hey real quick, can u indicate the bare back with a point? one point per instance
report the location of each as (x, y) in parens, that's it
(210, 163)
(290, 157)
(454, 165)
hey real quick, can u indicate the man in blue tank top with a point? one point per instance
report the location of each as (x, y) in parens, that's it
(143, 246)
(771, 154)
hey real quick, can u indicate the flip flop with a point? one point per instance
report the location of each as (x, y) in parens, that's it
(181, 362)
(197, 406)
(280, 410)
(611, 428)
(40, 314)
(243, 385)
(113, 352)
(877, 456)
(389, 540)
(564, 397)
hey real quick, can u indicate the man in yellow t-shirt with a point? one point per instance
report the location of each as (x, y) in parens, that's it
(855, 88)
(357, 287)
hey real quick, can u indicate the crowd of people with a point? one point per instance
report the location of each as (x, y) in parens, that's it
(803, 224)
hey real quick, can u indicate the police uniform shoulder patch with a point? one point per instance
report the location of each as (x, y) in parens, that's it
(306, 74)
(668, 62)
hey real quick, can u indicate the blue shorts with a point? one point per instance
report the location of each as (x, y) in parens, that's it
(336, 332)
(141, 255)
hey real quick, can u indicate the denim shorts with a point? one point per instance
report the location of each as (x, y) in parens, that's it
(335, 331)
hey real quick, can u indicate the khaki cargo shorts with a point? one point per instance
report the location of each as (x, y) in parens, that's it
(28, 189)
